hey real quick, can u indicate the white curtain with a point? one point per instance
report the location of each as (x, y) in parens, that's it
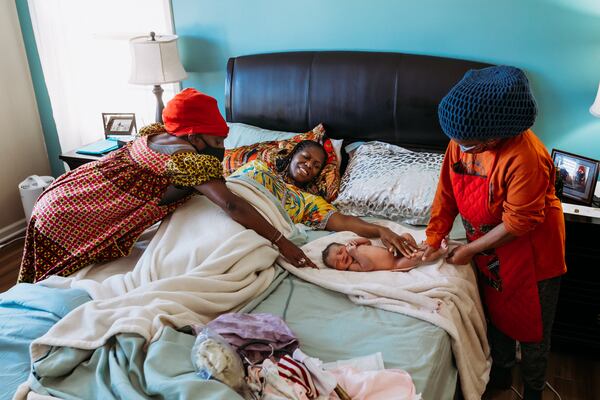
(84, 51)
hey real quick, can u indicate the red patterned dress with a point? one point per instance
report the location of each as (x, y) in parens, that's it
(96, 212)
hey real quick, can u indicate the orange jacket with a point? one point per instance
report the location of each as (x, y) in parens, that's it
(521, 193)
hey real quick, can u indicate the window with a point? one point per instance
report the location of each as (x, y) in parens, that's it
(84, 51)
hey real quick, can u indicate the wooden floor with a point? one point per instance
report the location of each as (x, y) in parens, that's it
(574, 376)
(10, 260)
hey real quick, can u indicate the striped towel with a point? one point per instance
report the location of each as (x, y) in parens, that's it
(296, 372)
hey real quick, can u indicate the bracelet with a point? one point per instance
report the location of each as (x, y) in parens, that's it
(278, 238)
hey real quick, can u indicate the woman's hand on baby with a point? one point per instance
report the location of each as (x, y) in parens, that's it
(294, 255)
(430, 254)
(409, 238)
(460, 255)
(405, 244)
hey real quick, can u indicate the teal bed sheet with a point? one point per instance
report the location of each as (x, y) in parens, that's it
(121, 369)
(326, 323)
(27, 312)
(330, 327)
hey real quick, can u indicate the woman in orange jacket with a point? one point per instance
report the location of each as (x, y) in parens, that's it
(500, 178)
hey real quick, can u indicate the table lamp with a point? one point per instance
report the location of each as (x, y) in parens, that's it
(155, 61)
(595, 108)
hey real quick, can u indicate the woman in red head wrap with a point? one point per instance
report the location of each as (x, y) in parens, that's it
(96, 212)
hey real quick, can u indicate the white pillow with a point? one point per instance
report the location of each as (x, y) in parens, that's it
(244, 135)
(351, 148)
(387, 181)
(337, 148)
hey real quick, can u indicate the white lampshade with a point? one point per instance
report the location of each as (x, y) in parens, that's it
(595, 108)
(155, 62)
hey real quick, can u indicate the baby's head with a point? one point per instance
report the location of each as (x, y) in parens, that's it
(336, 256)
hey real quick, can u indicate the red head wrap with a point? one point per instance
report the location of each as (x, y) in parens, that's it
(191, 112)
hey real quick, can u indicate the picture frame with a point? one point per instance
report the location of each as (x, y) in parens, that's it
(119, 124)
(578, 174)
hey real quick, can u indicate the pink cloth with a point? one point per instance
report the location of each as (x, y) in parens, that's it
(387, 384)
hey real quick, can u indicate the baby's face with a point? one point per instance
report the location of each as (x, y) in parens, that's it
(339, 258)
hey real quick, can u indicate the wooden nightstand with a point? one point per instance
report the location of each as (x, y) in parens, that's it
(75, 160)
(577, 323)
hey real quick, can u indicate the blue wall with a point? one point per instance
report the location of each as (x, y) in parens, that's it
(557, 43)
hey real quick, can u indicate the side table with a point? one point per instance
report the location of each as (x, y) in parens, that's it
(74, 159)
(577, 322)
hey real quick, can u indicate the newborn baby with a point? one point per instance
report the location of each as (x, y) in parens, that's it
(361, 256)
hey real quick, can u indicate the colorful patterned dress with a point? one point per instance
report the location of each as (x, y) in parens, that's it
(96, 212)
(302, 207)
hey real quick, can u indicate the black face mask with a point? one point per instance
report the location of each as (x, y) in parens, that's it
(212, 151)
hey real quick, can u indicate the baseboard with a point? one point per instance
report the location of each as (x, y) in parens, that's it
(12, 230)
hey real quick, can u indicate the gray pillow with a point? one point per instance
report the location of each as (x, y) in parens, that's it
(387, 181)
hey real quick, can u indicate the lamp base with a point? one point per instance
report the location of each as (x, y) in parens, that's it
(158, 91)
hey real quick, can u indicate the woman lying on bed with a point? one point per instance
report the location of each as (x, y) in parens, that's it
(96, 212)
(294, 173)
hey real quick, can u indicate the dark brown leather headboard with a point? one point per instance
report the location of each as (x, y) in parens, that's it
(357, 95)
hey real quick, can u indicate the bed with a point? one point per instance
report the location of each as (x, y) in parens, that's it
(359, 96)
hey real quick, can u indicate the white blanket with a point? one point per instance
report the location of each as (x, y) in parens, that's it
(440, 293)
(199, 265)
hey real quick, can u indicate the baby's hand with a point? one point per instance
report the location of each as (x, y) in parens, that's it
(359, 241)
(351, 249)
(362, 240)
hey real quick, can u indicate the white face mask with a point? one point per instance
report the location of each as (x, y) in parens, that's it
(464, 149)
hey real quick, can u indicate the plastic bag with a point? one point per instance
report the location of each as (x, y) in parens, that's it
(214, 358)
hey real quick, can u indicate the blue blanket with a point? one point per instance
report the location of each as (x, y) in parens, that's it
(27, 312)
(122, 369)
